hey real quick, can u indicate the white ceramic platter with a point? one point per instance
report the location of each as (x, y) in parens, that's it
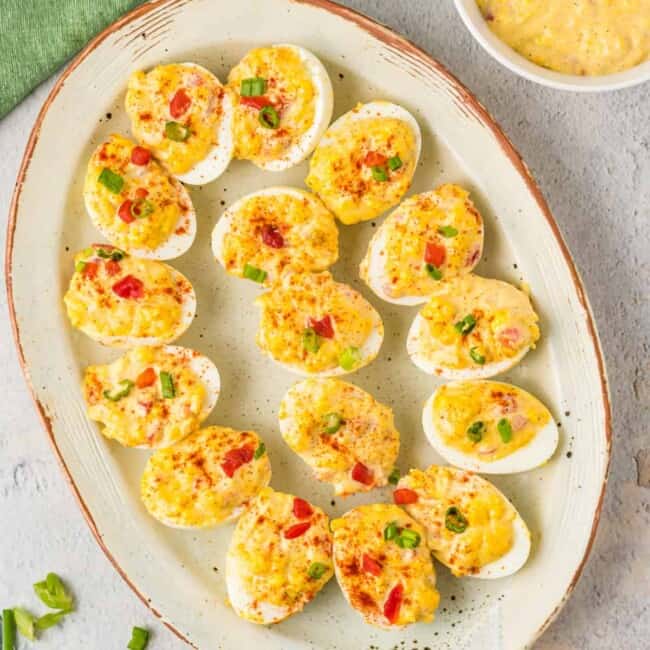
(179, 573)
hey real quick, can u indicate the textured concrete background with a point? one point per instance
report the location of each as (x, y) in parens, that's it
(591, 156)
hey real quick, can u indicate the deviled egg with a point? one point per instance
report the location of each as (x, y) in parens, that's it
(384, 566)
(124, 301)
(489, 427)
(135, 203)
(283, 104)
(430, 236)
(365, 162)
(275, 231)
(471, 527)
(183, 114)
(206, 479)
(472, 328)
(346, 436)
(280, 557)
(152, 397)
(312, 325)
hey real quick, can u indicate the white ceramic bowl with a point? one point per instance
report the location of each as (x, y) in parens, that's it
(474, 21)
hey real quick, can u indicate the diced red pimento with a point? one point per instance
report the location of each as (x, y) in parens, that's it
(375, 159)
(124, 211)
(235, 458)
(435, 254)
(146, 378)
(129, 287)
(179, 104)
(301, 508)
(394, 603)
(297, 530)
(510, 336)
(140, 156)
(370, 565)
(259, 102)
(323, 327)
(112, 267)
(272, 237)
(404, 496)
(141, 193)
(361, 474)
(90, 270)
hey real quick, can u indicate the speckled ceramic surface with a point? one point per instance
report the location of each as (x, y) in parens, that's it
(180, 573)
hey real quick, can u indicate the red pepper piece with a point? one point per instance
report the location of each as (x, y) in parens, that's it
(129, 287)
(235, 458)
(124, 212)
(404, 496)
(146, 378)
(140, 156)
(90, 270)
(323, 327)
(435, 254)
(141, 193)
(255, 102)
(112, 267)
(361, 474)
(297, 530)
(374, 159)
(301, 508)
(393, 603)
(180, 103)
(272, 237)
(370, 565)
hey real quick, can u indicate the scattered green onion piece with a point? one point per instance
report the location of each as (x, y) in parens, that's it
(139, 639)
(25, 623)
(316, 570)
(167, 385)
(332, 422)
(88, 252)
(395, 163)
(111, 181)
(455, 521)
(269, 117)
(80, 266)
(349, 358)
(505, 430)
(52, 591)
(260, 451)
(466, 325)
(114, 254)
(254, 274)
(114, 396)
(391, 531)
(253, 87)
(447, 231)
(394, 476)
(8, 630)
(141, 208)
(475, 431)
(408, 538)
(176, 131)
(49, 620)
(476, 356)
(379, 173)
(433, 272)
(310, 340)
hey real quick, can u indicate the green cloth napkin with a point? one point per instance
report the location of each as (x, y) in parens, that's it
(38, 36)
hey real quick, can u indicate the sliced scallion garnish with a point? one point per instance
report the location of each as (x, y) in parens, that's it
(455, 520)
(254, 274)
(260, 451)
(332, 422)
(139, 639)
(505, 429)
(379, 173)
(310, 340)
(176, 131)
(433, 272)
(395, 163)
(466, 325)
(111, 181)
(391, 531)
(116, 395)
(476, 356)
(167, 385)
(349, 358)
(475, 431)
(447, 231)
(269, 117)
(393, 477)
(316, 570)
(253, 87)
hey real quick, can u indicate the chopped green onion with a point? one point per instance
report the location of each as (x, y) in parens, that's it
(447, 231)
(114, 254)
(52, 591)
(316, 570)
(475, 431)
(49, 620)
(332, 422)
(393, 477)
(476, 356)
(111, 181)
(433, 271)
(260, 451)
(408, 538)
(391, 531)
(379, 173)
(505, 430)
(310, 340)
(253, 87)
(167, 385)
(395, 163)
(466, 325)
(269, 117)
(25, 623)
(88, 252)
(176, 131)
(349, 358)
(455, 521)
(139, 639)
(116, 395)
(8, 630)
(141, 208)
(254, 274)
(80, 266)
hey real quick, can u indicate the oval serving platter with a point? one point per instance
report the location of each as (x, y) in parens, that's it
(179, 574)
